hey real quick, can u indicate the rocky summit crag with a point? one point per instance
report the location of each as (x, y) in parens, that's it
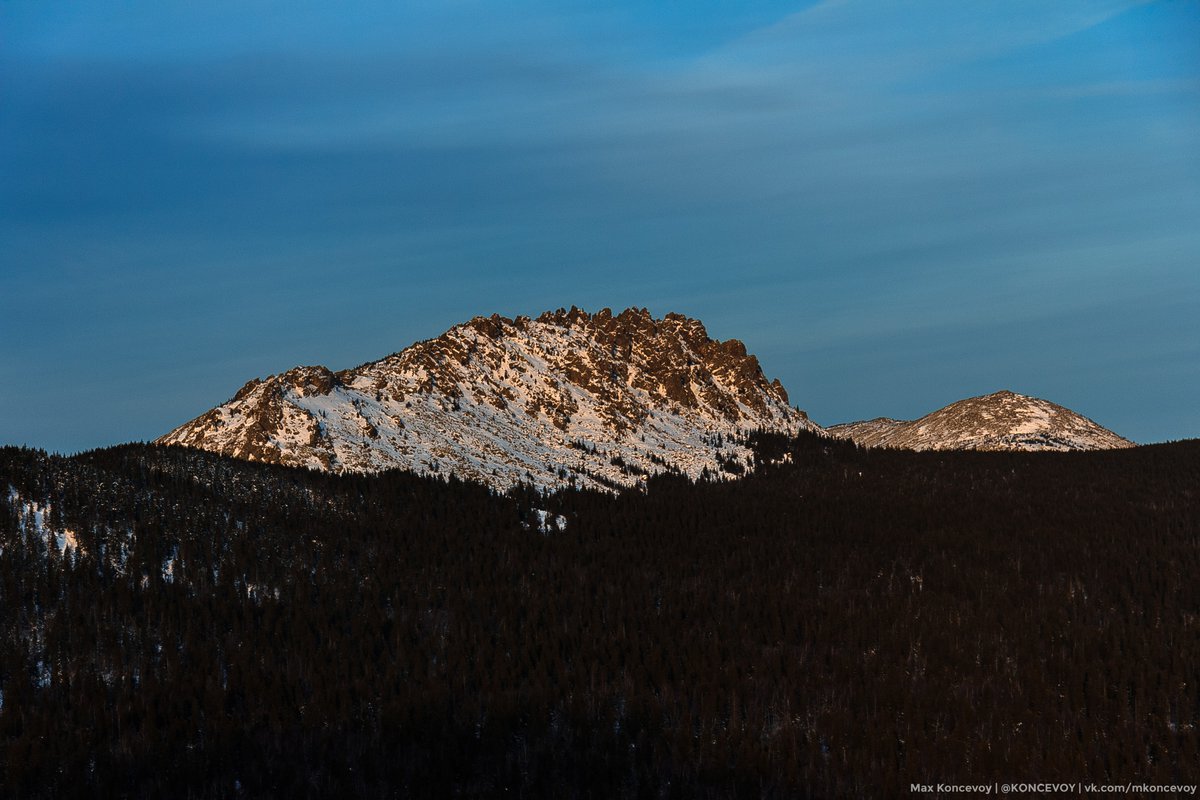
(566, 398)
(1000, 421)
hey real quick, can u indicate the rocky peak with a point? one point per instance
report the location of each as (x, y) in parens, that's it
(503, 400)
(1003, 420)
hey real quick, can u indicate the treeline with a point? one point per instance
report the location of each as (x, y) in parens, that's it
(841, 622)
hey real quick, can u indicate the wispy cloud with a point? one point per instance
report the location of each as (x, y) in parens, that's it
(891, 40)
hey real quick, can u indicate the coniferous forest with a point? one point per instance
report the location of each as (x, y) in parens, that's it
(838, 622)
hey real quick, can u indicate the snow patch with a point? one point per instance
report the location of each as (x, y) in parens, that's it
(548, 523)
(33, 520)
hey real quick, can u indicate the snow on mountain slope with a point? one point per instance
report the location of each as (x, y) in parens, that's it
(1000, 421)
(569, 397)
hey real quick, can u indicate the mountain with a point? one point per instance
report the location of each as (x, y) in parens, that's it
(1001, 421)
(566, 398)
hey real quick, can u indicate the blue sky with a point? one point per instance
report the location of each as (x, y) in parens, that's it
(895, 205)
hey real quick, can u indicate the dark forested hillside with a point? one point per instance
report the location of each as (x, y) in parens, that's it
(842, 622)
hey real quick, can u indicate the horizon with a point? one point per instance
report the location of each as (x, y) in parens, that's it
(894, 211)
(590, 313)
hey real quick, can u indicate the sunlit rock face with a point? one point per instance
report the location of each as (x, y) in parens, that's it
(568, 398)
(1000, 421)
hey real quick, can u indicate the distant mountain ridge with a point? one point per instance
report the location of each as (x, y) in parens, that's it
(1003, 420)
(566, 398)
(572, 398)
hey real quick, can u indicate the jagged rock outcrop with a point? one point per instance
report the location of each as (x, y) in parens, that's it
(1000, 421)
(569, 397)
